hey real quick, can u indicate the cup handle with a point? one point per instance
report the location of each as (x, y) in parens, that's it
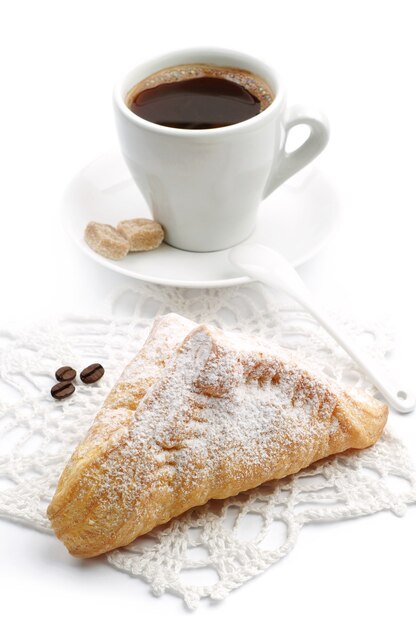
(291, 162)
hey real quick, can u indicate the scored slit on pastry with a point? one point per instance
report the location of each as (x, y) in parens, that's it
(209, 415)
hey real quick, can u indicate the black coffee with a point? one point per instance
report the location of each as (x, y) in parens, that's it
(199, 96)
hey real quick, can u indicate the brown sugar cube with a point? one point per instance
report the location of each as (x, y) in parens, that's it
(106, 240)
(142, 234)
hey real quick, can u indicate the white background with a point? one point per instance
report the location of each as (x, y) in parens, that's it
(356, 61)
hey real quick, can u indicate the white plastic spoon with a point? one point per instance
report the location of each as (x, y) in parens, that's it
(266, 265)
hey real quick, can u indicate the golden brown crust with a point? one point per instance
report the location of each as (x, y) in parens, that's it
(224, 415)
(112, 422)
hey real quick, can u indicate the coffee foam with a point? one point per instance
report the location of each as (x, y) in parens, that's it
(256, 85)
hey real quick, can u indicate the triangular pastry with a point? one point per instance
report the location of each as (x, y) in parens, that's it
(200, 415)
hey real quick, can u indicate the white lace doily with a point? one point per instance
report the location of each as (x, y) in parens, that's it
(213, 549)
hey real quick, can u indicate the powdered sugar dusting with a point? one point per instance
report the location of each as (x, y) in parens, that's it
(111, 424)
(224, 413)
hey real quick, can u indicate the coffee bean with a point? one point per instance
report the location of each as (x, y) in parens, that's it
(92, 373)
(62, 390)
(65, 373)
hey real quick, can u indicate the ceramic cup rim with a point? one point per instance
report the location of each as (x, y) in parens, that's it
(192, 55)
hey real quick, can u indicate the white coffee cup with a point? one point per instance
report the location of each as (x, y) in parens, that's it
(205, 186)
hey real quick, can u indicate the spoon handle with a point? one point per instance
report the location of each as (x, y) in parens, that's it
(264, 264)
(396, 395)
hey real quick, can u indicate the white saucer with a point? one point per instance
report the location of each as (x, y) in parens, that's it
(296, 221)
